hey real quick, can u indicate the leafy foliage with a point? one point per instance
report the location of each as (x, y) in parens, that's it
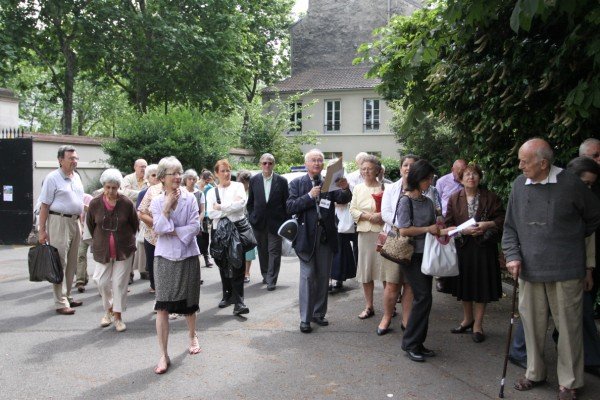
(197, 139)
(499, 72)
(266, 125)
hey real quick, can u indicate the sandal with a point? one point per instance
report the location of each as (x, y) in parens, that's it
(524, 384)
(567, 394)
(367, 313)
(158, 370)
(195, 346)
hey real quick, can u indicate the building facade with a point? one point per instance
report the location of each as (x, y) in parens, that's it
(342, 106)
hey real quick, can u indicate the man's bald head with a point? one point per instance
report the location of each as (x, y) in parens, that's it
(535, 159)
(139, 166)
(457, 168)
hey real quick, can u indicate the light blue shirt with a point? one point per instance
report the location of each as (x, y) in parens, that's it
(267, 183)
(63, 194)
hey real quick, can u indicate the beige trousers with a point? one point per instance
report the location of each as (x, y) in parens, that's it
(565, 302)
(139, 257)
(65, 235)
(112, 280)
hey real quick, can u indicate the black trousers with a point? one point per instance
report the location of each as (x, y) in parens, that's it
(149, 249)
(418, 322)
(203, 240)
(233, 288)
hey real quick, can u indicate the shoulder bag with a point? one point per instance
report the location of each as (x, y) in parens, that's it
(398, 248)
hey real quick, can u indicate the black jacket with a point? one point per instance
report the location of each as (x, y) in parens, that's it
(267, 214)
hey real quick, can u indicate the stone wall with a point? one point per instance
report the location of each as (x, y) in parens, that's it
(332, 30)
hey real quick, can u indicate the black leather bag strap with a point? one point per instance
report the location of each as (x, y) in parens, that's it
(217, 194)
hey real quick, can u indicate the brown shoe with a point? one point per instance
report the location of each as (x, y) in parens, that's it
(75, 303)
(567, 394)
(65, 311)
(80, 287)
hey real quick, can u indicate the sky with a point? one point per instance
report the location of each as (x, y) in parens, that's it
(300, 6)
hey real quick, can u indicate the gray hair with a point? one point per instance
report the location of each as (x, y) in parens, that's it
(206, 174)
(244, 176)
(267, 157)
(313, 151)
(111, 175)
(190, 173)
(168, 163)
(150, 169)
(64, 149)
(586, 143)
(360, 157)
(373, 160)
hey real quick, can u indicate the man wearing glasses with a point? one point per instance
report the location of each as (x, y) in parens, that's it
(61, 206)
(267, 197)
(316, 241)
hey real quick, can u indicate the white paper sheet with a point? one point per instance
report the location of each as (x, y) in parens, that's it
(462, 226)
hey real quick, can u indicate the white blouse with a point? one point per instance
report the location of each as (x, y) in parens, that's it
(233, 203)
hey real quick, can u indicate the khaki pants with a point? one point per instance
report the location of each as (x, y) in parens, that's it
(112, 279)
(564, 301)
(65, 235)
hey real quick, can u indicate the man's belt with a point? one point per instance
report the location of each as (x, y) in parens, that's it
(63, 215)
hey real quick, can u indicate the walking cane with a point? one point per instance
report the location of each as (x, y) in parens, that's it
(512, 322)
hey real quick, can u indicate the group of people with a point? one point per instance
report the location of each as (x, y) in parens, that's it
(173, 215)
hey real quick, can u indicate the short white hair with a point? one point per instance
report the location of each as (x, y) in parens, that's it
(586, 143)
(166, 164)
(360, 157)
(311, 152)
(190, 173)
(111, 175)
(150, 169)
(268, 157)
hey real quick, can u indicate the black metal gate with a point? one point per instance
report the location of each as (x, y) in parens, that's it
(16, 187)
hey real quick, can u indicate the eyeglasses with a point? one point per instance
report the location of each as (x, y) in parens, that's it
(267, 163)
(153, 175)
(110, 222)
(316, 160)
(174, 174)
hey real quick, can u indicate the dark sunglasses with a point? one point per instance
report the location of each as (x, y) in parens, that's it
(267, 163)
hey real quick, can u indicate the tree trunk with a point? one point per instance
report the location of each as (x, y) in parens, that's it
(70, 72)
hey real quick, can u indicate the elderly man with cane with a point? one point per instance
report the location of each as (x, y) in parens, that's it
(549, 214)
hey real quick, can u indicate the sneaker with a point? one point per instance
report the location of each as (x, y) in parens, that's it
(246, 279)
(120, 325)
(106, 320)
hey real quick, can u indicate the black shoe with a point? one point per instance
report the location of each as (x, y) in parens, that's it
(517, 362)
(224, 303)
(305, 327)
(592, 369)
(80, 287)
(402, 327)
(264, 281)
(415, 355)
(240, 309)
(130, 278)
(75, 303)
(330, 288)
(144, 275)
(321, 321)
(426, 352)
(478, 337)
(463, 329)
(339, 285)
(383, 331)
(271, 287)
(207, 262)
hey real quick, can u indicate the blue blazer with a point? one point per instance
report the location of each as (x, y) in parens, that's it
(300, 203)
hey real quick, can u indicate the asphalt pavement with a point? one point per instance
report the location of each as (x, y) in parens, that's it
(44, 355)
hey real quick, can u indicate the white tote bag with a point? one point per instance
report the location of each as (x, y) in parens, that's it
(439, 259)
(346, 223)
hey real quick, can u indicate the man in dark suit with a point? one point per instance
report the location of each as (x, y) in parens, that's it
(267, 196)
(316, 241)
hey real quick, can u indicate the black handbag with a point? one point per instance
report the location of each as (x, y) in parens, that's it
(44, 264)
(244, 228)
(246, 234)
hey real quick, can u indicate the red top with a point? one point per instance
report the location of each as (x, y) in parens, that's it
(112, 246)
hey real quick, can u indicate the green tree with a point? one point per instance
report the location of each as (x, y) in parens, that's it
(47, 34)
(499, 72)
(268, 130)
(197, 139)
